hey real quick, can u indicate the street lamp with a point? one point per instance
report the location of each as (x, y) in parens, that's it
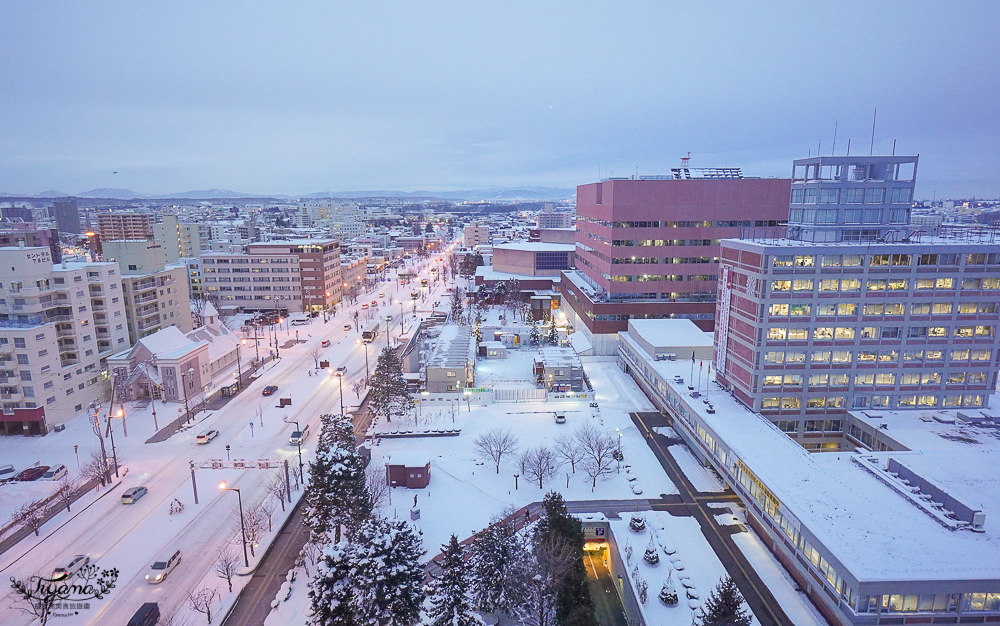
(299, 444)
(340, 383)
(95, 421)
(243, 527)
(239, 369)
(367, 374)
(187, 383)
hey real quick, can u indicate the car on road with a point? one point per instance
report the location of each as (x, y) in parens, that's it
(347, 327)
(298, 436)
(147, 615)
(132, 495)
(32, 473)
(55, 472)
(269, 390)
(206, 436)
(560, 418)
(163, 566)
(342, 370)
(364, 305)
(325, 343)
(374, 303)
(381, 295)
(71, 568)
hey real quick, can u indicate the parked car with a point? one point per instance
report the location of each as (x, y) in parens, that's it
(55, 472)
(163, 566)
(299, 322)
(32, 473)
(325, 343)
(560, 418)
(147, 615)
(299, 436)
(71, 568)
(6, 473)
(131, 496)
(269, 390)
(206, 436)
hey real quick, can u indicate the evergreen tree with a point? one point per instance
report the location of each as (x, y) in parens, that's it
(574, 606)
(450, 604)
(553, 338)
(497, 566)
(724, 606)
(389, 395)
(376, 579)
(337, 492)
(534, 336)
(330, 592)
(457, 307)
(386, 573)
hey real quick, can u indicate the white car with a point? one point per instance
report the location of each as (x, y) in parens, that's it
(71, 568)
(163, 566)
(206, 436)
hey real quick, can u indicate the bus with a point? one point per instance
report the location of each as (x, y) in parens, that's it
(370, 334)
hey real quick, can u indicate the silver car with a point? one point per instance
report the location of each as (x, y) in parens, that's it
(71, 568)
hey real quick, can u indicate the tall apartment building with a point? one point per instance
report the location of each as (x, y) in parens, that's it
(551, 219)
(179, 239)
(476, 235)
(124, 226)
(297, 275)
(863, 313)
(66, 215)
(155, 294)
(58, 323)
(648, 248)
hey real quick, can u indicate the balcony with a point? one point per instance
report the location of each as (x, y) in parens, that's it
(144, 299)
(65, 332)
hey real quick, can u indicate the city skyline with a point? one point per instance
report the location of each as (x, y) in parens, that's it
(294, 101)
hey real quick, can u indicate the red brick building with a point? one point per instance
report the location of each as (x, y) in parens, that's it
(648, 248)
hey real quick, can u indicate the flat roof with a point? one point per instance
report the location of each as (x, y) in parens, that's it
(671, 333)
(869, 527)
(536, 246)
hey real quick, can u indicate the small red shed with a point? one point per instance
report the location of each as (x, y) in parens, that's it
(408, 468)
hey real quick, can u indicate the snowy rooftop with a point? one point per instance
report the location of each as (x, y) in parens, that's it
(409, 458)
(557, 356)
(537, 246)
(454, 347)
(847, 507)
(671, 333)
(488, 273)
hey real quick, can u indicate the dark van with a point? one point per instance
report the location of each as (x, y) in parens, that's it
(147, 615)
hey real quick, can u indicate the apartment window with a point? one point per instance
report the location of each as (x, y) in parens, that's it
(786, 426)
(913, 355)
(843, 332)
(910, 379)
(933, 355)
(779, 309)
(773, 380)
(773, 358)
(941, 308)
(823, 333)
(877, 284)
(854, 196)
(890, 332)
(873, 309)
(781, 285)
(920, 308)
(821, 356)
(850, 284)
(897, 284)
(852, 260)
(22, 359)
(826, 310)
(874, 195)
(964, 331)
(798, 334)
(944, 283)
(915, 332)
(804, 261)
(19, 342)
(931, 378)
(967, 308)
(802, 285)
(795, 357)
(895, 308)
(847, 308)
(830, 284)
(841, 356)
(879, 260)
(819, 380)
(981, 355)
(941, 331)
(955, 378)
(958, 355)
(864, 380)
(985, 331)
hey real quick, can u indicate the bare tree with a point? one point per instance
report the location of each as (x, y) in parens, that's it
(64, 493)
(376, 488)
(254, 524)
(540, 464)
(29, 515)
(496, 443)
(267, 509)
(568, 448)
(227, 562)
(309, 556)
(28, 600)
(358, 387)
(95, 468)
(598, 450)
(201, 601)
(315, 353)
(277, 487)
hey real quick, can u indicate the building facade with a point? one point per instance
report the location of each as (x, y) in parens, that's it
(67, 215)
(649, 248)
(476, 235)
(58, 324)
(121, 226)
(156, 295)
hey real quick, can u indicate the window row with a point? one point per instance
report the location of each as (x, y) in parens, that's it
(884, 260)
(841, 357)
(875, 401)
(853, 285)
(840, 333)
(858, 195)
(867, 380)
(889, 309)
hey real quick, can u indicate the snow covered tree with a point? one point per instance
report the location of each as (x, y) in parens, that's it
(331, 593)
(389, 395)
(337, 491)
(376, 579)
(553, 338)
(724, 606)
(534, 335)
(497, 568)
(668, 593)
(457, 306)
(386, 573)
(450, 600)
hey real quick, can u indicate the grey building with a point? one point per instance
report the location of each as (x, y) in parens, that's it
(66, 215)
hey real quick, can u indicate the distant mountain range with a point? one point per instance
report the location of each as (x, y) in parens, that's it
(472, 195)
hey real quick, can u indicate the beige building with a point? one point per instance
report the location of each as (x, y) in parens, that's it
(116, 226)
(476, 235)
(58, 324)
(156, 294)
(179, 239)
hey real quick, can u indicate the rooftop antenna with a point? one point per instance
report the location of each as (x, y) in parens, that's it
(893, 147)
(848, 147)
(686, 160)
(833, 151)
(871, 148)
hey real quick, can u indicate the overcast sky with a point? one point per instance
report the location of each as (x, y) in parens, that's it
(294, 98)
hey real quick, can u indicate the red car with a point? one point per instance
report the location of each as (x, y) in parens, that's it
(32, 473)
